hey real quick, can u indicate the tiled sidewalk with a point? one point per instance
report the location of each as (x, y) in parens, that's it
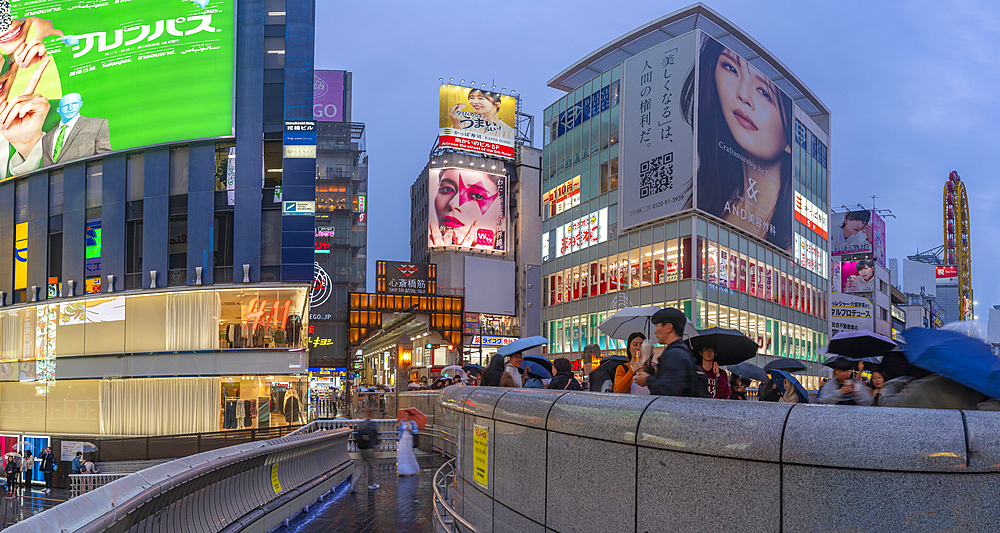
(403, 504)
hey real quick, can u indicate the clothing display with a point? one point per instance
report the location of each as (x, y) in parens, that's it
(293, 408)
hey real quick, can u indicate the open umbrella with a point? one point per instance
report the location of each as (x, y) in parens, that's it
(540, 360)
(731, 346)
(749, 371)
(627, 321)
(415, 415)
(861, 343)
(532, 367)
(473, 369)
(786, 364)
(452, 371)
(23, 446)
(779, 377)
(85, 447)
(955, 356)
(521, 345)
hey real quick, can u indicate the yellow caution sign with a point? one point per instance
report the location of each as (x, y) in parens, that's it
(275, 482)
(481, 455)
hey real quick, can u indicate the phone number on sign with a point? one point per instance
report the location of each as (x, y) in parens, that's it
(657, 205)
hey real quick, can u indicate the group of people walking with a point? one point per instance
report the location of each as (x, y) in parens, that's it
(19, 469)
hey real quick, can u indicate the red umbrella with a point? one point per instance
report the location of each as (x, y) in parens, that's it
(415, 415)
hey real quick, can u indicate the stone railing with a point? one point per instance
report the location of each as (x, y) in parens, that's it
(581, 462)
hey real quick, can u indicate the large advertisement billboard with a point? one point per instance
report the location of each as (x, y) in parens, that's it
(858, 232)
(850, 313)
(657, 135)
(744, 146)
(477, 120)
(857, 276)
(86, 78)
(328, 95)
(467, 209)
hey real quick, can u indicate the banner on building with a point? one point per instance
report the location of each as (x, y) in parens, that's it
(477, 120)
(468, 209)
(851, 313)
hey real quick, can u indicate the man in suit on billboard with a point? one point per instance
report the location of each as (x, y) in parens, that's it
(76, 136)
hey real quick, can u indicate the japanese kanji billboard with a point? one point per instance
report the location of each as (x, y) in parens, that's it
(94, 77)
(582, 232)
(468, 209)
(477, 120)
(850, 313)
(656, 162)
(405, 278)
(744, 146)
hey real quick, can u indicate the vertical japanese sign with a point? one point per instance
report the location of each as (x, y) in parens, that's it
(117, 75)
(477, 120)
(481, 455)
(657, 136)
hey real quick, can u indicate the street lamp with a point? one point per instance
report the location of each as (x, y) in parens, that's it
(404, 357)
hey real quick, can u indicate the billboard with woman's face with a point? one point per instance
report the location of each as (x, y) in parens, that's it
(468, 209)
(744, 153)
(477, 120)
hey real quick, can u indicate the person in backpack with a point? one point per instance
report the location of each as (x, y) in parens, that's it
(675, 372)
(602, 378)
(564, 378)
(366, 438)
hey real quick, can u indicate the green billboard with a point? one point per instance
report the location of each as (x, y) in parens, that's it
(83, 77)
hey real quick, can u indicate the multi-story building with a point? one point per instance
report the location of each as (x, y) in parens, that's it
(341, 219)
(162, 266)
(633, 217)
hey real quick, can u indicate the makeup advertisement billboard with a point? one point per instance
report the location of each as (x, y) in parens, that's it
(744, 146)
(656, 177)
(468, 209)
(87, 78)
(477, 120)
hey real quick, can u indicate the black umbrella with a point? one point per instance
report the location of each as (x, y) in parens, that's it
(473, 369)
(731, 346)
(786, 364)
(749, 371)
(861, 343)
(540, 360)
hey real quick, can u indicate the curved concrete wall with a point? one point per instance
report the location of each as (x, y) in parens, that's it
(586, 462)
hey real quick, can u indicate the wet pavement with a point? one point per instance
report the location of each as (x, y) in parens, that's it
(28, 503)
(403, 504)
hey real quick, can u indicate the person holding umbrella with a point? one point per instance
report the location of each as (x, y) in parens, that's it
(405, 459)
(512, 372)
(843, 389)
(624, 382)
(534, 373)
(675, 373)
(718, 380)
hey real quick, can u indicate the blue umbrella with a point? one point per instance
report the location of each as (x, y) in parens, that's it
(540, 360)
(749, 371)
(532, 367)
(781, 376)
(521, 345)
(955, 356)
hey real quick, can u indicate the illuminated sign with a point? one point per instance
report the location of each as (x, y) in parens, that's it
(259, 315)
(300, 151)
(93, 246)
(321, 288)
(476, 120)
(561, 198)
(486, 340)
(946, 273)
(292, 208)
(326, 232)
(811, 216)
(21, 256)
(582, 232)
(810, 256)
(393, 277)
(361, 204)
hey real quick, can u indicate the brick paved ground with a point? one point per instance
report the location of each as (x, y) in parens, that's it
(400, 504)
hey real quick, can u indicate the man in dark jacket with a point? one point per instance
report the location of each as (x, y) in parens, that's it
(675, 373)
(48, 465)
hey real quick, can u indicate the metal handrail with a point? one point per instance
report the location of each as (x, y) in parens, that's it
(86, 482)
(441, 482)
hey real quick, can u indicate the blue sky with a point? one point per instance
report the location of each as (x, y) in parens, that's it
(913, 87)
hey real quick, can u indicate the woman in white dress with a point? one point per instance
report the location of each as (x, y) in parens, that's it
(406, 461)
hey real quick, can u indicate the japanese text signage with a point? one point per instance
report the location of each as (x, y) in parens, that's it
(810, 255)
(811, 216)
(946, 274)
(657, 143)
(407, 278)
(486, 340)
(850, 313)
(114, 76)
(561, 198)
(477, 120)
(582, 233)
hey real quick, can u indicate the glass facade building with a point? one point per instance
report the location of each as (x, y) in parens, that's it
(162, 289)
(719, 275)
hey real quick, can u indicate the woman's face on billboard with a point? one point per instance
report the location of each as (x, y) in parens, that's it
(853, 226)
(867, 272)
(481, 104)
(464, 197)
(751, 106)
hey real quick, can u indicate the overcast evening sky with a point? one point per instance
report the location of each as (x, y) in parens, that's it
(913, 88)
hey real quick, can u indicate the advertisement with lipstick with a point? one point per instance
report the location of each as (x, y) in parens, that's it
(468, 209)
(744, 146)
(82, 78)
(477, 120)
